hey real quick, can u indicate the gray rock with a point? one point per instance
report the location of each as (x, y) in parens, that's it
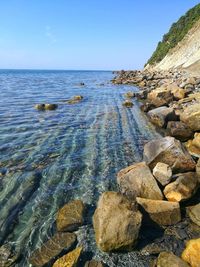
(169, 151)
(194, 213)
(138, 181)
(163, 173)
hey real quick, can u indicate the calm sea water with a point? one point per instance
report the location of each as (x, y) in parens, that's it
(52, 157)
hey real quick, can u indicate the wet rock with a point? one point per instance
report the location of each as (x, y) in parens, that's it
(43, 107)
(51, 106)
(191, 116)
(169, 151)
(147, 106)
(161, 212)
(191, 253)
(160, 116)
(52, 248)
(116, 222)
(160, 97)
(7, 256)
(128, 103)
(76, 99)
(71, 216)
(183, 188)
(40, 107)
(138, 181)
(82, 84)
(179, 130)
(93, 263)
(71, 259)
(163, 173)
(194, 213)
(168, 259)
(193, 146)
(129, 94)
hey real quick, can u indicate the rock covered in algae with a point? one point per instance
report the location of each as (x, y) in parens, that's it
(70, 216)
(52, 248)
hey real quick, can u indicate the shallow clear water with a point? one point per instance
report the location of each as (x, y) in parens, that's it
(55, 156)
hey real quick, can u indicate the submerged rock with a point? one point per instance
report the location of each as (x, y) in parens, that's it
(169, 151)
(71, 259)
(93, 263)
(71, 216)
(160, 116)
(116, 222)
(160, 211)
(191, 116)
(194, 214)
(129, 94)
(128, 103)
(52, 248)
(179, 130)
(163, 173)
(7, 256)
(138, 181)
(168, 259)
(40, 106)
(75, 99)
(183, 188)
(191, 254)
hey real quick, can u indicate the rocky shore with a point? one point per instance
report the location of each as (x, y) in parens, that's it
(156, 210)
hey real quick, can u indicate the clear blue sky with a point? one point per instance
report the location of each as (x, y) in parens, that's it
(84, 34)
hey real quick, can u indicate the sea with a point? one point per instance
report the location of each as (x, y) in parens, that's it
(48, 158)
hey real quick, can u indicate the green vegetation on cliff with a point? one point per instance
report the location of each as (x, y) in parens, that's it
(176, 33)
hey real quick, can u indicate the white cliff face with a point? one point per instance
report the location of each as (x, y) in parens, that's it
(186, 54)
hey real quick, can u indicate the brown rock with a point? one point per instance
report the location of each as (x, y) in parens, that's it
(183, 188)
(71, 259)
(161, 212)
(179, 130)
(52, 248)
(160, 116)
(71, 216)
(169, 151)
(168, 259)
(177, 92)
(198, 170)
(191, 253)
(163, 173)
(160, 97)
(7, 256)
(138, 181)
(116, 223)
(128, 103)
(51, 106)
(191, 116)
(194, 213)
(193, 146)
(40, 107)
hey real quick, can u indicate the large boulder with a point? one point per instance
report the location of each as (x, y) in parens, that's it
(183, 188)
(71, 216)
(71, 259)
(116, 222)
(178, 93)
(161, 212)
(7, 256)
(169, 151)
(168, 259)
(194, 213)
(160, 116)
(191, 253)
(138, 181)
(52, 248)
(179, 130)
(163, 173)
(191, 116)
(160, 97)
(193, 146)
